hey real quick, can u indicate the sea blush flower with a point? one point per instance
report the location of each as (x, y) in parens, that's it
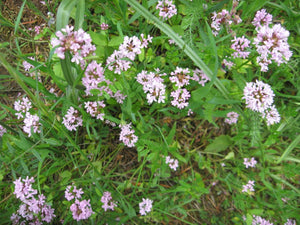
(239, 45)
(250, 163)
(78, 43)
(107, 201)
(271, 115)
(232, 117)
(81, 210)
(173, 163)
(200, 77)
(166, 9)
(22, 107)
(31, 124)
(72, 192)
(258, 96)
(271, 45)
(127, 135)
(95, 109)
(262, 18)
(145, 206)
(72, 120)
(181, 97)
(180, 77)
(248, 187)
(257, 220)
(2, 130)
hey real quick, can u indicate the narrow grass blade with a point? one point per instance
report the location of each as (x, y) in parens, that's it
(288, 150)
(63, 13)
(19, 17)
(80, 9)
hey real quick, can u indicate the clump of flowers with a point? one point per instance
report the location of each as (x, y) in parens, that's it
(81, 210)
(95, 109)
(130, 47)
(259, 98)
(173, 163)
(239, 45)
(78, 43)
(2, 130)
(257, 220)
(153, 85)
(31, 122)
(262, 18)
(180, 98)
(250, 162)
(104, 26)
(127, 135)
(232, 117)
(270, 42)
(145, 206)
(200, 77)
(72, 119)
(34, 208)
(249, 187)
(290, 222)
(166, 9)
(107, 201)
(227, 63)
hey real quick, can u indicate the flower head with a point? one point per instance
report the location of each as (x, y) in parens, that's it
(249, 187)
(145, 206)
(81, 210)
(166, 9)
(173, 163)
(2, 130)
(232, 117)
(72, 120)
(127, 135)
(107, 201)
(250, 163)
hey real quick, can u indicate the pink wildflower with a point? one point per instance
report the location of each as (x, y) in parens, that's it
(81, 210)
(250, 163)
(258, 96)
(227, 63)
(290, 222)
(262, 18)
(166, 9)
(95, 109)
(22, 107)
(173, 163)
(72, 192)
(239, 45)
(200, 77)
(127, 135)
(180, 77)
(104, 26)
(232, 117)
(248, 187)
(146, 41)
(2, 130)
(145, 206)
(271, 115)
(257, 220)
(31, 124)
(72, 120)
(181, 97)
(107, 201)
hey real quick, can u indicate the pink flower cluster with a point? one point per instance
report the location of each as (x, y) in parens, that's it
(107, 201)
(131, 46)
(95, 109)
(257, 220)
(228, 64)
(250, 162)
(145, 206)
(259, 98)
(72, 119)
(249, 187)
(33, 209)
(239, 45)
(200, 77)
(232, 117)
(224, 17)
(31, 122)
(173, 163)
(78, 43)
(166, 9)
(153, 85)
(290, 222)
(81, 210)
(2, 130)
(270, 42)
(127, 135)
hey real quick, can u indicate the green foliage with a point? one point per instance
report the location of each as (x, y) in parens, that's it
(206, 187)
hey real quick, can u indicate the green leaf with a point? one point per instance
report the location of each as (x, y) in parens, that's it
(220, 144)
(19, 17)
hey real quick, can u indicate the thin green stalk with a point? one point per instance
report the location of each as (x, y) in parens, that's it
(288, 150)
